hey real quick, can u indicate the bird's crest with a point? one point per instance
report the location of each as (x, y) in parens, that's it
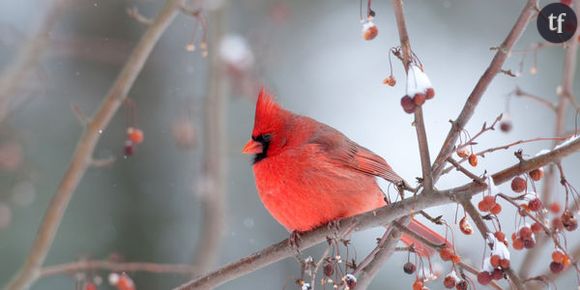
(267, 113)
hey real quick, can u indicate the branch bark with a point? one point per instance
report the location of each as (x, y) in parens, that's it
(18, 71)
(379, 217)
(214, 163)
(82, 157)
(473, 100)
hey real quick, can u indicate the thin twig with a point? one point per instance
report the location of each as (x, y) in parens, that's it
(82, 157)
(522, 94)
(464, 170)
(92, 265)
(376, 218)
(473, 100)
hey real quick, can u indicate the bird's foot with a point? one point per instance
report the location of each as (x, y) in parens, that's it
(294, 241)
(334, 227)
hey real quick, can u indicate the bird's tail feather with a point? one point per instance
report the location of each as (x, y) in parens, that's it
(425, 232)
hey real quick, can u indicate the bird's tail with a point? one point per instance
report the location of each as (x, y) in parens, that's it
(428, 234)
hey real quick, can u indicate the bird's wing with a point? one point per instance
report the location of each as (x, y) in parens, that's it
(346, 152)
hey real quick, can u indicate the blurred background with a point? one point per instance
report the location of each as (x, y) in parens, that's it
(153, 205)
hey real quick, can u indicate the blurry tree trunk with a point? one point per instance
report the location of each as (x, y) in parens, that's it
(214, 144)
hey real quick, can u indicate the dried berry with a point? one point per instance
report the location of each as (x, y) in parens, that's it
(409, 268)
(497, 274)
(419, 99)
(408, 104)
(557, 224)
(461, 285)
(528, 244)
(129, 148)
(328, 269)
(465, 227)
(449, 282)
(519, 184)
(536, 174)
(556, 267)
(418, 285)
(462, 152)
(473, 160)
(484, 278)
(390, 81)
(369, 31)
(505, 126)
(430, 93)
(535, 204)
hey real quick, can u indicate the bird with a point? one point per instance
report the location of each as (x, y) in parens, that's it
(308, 173)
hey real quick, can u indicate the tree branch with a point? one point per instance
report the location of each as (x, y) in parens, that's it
(481, 86)
(82, 157)
(379, 217)
(88, 265)
(19, 70)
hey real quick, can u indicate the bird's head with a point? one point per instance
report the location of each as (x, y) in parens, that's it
(270, 132)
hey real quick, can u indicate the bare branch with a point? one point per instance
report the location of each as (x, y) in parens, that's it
(214, 163)
(18, 71)
(522, 94)
(481, 86)
(81, 159)
(92, 265)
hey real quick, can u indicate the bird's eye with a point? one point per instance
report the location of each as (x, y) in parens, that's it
(266, 137)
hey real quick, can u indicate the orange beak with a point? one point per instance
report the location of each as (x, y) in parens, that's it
(252, 147)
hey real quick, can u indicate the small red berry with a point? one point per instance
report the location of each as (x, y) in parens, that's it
(369, 31)
(408, 104)
(556, 267)
(484, 278)
(554, 207)
(462, 152)
(504, 263)
(390, 81)
(518, 244)
(449, 282)
(90, 286)
(446, 254)
(473, 160)
(129, 148)
(505, 126)
(465, 227)
(535, 204)
(409, 268)
(496, 209)
(419, 99)
(500, 236)
(494, 261)
(536, 174)
(328, 269)
(558, 256)
(135, 135)
(461, 285)
(518, 184)
(537, 227)
(569, 221)
(529, 243)
(497, 274)
(557, 224)
(525, 233)
(418, 285)
(430, 93)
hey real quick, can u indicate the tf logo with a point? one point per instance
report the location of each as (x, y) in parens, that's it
(557, 22)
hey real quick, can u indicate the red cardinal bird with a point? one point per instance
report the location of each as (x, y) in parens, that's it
(308, 173)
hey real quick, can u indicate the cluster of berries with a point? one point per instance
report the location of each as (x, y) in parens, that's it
(134, 137)
(463, 153)
(559, 261)
(489, 204)
(453, 281)
(497, 263)
(419, 89)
